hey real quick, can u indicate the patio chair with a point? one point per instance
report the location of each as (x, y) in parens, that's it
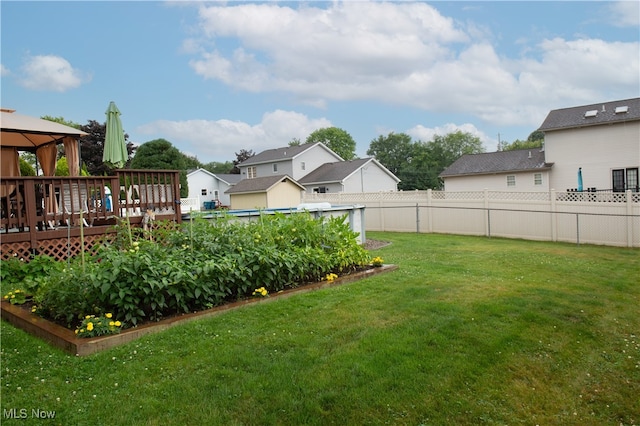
(74, 200)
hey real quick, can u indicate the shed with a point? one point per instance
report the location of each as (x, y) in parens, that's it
(265, 193)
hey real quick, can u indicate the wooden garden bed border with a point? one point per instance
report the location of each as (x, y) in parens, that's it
(66, 339)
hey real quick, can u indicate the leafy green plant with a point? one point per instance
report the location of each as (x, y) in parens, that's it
(140, 276)
(16, 297)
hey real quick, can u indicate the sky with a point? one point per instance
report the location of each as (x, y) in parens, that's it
(214, 78)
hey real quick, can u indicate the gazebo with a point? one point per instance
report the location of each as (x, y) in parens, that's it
(45, 214)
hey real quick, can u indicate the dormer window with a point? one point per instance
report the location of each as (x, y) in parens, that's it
(591, 113)
(622, 109)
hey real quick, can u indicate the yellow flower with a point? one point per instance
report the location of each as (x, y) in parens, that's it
(108, 315)
(90, 326)
(111, 323)
(77, 331)
(87, 317)
(118, 323)
(6, 297)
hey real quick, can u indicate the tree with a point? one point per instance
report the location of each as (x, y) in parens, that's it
(536, 135)
(338, 140)
(444, 150)
(217, 167)
(26, 169)
(160, 154)
(295, 142)
(518, 144)
(241, 156)
(392, 151)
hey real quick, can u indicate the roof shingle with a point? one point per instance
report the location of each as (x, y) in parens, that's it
(497, 162)
(602, 113)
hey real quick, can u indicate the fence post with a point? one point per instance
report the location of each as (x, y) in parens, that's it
(554, 215)
(578, 228)
(381, 208)
(429, 213)
(629, 219)
(487, 224)
(417, 218)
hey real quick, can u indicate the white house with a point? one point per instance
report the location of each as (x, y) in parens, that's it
(602, 140)
(518, 170)
(294, 161)
(360, 175)
(209, 187)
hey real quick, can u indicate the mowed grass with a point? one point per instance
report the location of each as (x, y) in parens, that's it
(468, 330)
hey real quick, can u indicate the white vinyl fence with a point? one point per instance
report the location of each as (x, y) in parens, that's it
(604, 218)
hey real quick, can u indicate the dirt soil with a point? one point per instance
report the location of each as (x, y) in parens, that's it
(375, 244)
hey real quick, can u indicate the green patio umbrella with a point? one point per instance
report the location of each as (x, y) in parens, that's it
(115, 148)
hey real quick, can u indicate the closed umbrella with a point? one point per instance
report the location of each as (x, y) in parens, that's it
(579, 179)
(115, 148)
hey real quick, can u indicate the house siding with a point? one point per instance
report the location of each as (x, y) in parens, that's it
(313, 159)
(597, 149)
(248, 201)
(369, 178)
(285, 194)
(200, 180)
(525, 181)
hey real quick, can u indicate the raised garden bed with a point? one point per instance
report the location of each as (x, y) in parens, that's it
(66, 339)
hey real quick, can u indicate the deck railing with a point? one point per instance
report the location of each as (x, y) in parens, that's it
(38, 210)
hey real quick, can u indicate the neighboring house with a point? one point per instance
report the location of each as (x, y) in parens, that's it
(603, 139)
(360, 175)
(518, 170)
(293, 161)
(265, 193)
(210, 187)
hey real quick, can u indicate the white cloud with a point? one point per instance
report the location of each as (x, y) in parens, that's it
(4, 71)
(219, 140)
(408, 54)
(625, 13)
(51, 73)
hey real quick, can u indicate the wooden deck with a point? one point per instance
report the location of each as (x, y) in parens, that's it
(43, 215)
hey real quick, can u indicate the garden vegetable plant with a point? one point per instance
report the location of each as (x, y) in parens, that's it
(139, 276)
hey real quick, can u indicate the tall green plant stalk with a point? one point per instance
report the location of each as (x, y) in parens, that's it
(82, 241)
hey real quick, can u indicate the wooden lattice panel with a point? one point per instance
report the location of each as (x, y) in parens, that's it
(20, 250)
(63, 248)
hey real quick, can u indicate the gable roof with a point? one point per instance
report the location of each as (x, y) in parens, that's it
(262, 184)
(228, 178)
(519, 160)
(592, 115)
(341, 170)
(284, 153)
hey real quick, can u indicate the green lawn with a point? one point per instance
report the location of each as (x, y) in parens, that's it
(467, 331)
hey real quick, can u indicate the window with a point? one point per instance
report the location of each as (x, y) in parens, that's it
(632, 180)
(303, 166)
(511, 180)
(320, 190)
(625, 179)
(537, 179)
(251, 172)
(203, 191)
(275, 168)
